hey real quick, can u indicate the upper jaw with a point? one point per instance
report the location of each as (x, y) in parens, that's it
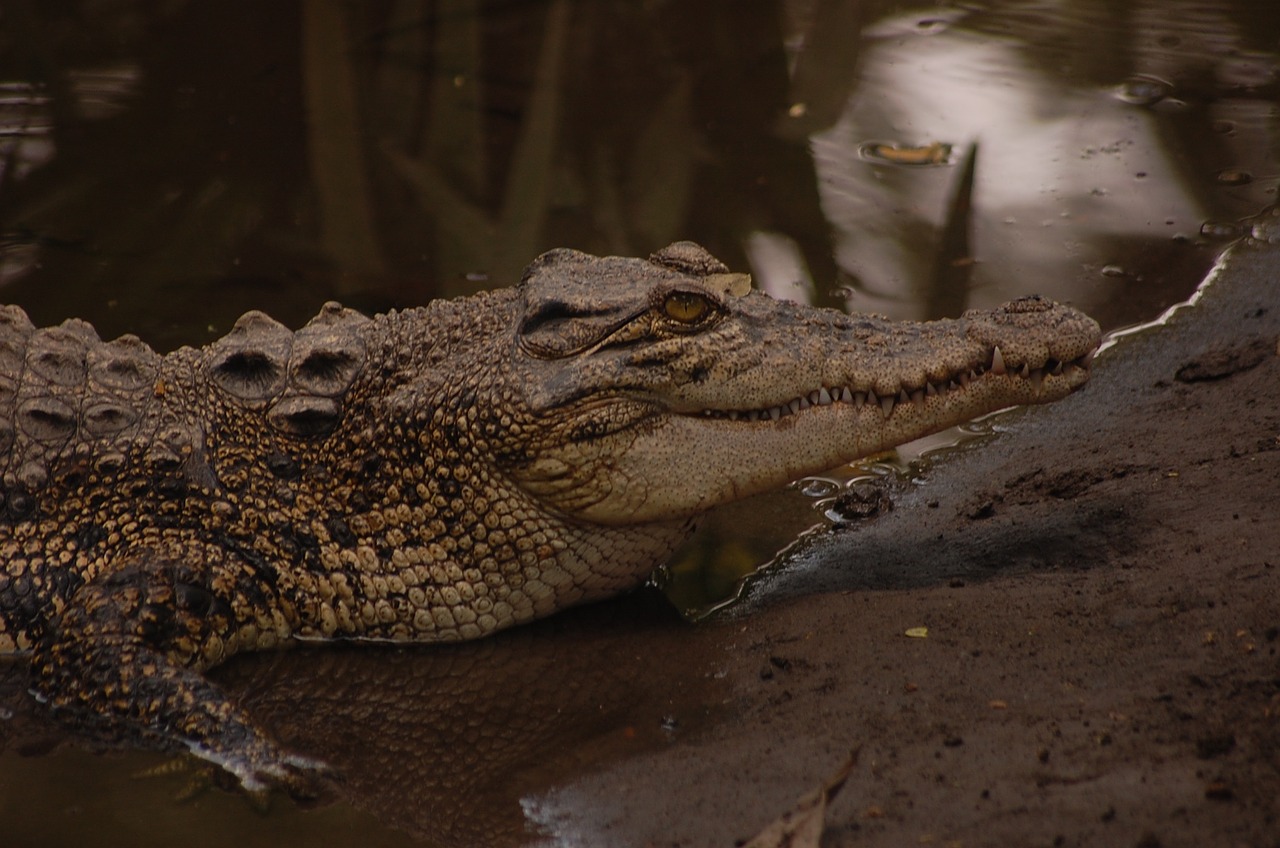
(1046, 380)
(1030, 350)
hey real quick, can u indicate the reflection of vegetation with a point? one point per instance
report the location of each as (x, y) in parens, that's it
(281, 153)
(334, 141)
(469, 238)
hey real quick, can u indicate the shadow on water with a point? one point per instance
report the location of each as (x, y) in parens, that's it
(165, 167)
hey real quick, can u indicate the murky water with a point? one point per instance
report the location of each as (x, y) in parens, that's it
(165, 167)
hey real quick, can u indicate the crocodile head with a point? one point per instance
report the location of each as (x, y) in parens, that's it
(665, 387)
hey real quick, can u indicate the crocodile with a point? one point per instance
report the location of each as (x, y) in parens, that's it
(432, 474)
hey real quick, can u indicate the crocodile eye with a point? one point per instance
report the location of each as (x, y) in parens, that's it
(686, 307)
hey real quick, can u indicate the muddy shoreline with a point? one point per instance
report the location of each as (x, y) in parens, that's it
(1101, 588)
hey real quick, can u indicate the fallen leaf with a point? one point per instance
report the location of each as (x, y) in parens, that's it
(918, 632)
(802, 825)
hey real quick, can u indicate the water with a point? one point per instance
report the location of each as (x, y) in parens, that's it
(165, 167)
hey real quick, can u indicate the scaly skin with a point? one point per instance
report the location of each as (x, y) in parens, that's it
(432, 475)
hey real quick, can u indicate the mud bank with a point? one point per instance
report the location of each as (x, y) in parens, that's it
(1101, 588)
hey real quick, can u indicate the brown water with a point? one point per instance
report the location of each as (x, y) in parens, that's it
(167, 166)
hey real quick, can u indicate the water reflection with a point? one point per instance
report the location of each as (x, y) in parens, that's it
(1093, 157)
(165, 167)
(441, 743)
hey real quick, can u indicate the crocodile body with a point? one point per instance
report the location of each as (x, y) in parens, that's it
(435, 474)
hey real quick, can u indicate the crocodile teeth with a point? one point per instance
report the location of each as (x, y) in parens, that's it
(997, 362)
(886, 403)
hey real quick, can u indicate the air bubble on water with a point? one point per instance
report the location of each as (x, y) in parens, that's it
(818, 487)
(1220, 230)
(1266, 227)
(1143, 90)
(1233, 177)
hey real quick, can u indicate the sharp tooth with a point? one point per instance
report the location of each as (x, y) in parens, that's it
(858, 398)
(733, 415)
(930, 391)
(997, 362)
(775, 413)
(847, 396)
(917, 397)
(1057, 367)
(903, 397)
(824, 397)
(952, 386)
(886, 405)
(813, 398)
(975, 373)
(1026, 370)
(1037, 379)
(804, 403)
(793, 407)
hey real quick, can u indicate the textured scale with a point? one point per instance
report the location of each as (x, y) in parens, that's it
(430, 475)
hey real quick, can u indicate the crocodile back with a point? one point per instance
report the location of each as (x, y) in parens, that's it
(66, 398)
(103, 444)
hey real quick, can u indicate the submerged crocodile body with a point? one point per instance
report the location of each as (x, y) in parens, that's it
(432, 475)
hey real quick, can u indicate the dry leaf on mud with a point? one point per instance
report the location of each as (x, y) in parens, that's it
(802, 825)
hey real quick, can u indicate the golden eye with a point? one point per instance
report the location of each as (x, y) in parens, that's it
(686, 307)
